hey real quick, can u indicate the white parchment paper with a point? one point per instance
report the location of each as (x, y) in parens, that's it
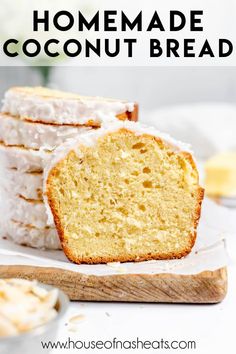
(217, 224)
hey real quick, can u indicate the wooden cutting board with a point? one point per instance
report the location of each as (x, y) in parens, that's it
(205, 287)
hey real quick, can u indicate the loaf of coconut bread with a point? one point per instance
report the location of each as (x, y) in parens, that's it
(77, 173)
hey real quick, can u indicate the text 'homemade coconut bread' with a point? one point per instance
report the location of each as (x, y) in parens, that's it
(124, 193)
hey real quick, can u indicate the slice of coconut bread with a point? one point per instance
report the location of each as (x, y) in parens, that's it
(124, 193)
(44, 105)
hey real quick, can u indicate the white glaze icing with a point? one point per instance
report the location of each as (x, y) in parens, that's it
(29, 185)
(25, 160)
(25, 211)
(15, 131)
(44, 238)
(52, 106)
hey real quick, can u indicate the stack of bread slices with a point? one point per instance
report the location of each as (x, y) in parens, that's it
(33, 122)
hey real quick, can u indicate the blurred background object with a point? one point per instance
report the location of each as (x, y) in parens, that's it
(17, 22)
(220, 178)
(153, 87)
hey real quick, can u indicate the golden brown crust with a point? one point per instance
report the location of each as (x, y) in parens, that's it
(144, 257)
(22, 147)
(33, 201)
(133, 116)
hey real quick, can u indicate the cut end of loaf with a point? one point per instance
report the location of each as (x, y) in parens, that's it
(128, 197)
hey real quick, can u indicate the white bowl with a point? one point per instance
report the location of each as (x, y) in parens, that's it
(30, 342)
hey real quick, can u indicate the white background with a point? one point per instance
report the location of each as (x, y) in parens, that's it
(218, 21)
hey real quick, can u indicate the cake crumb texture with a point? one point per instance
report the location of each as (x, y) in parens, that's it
(129, 197)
